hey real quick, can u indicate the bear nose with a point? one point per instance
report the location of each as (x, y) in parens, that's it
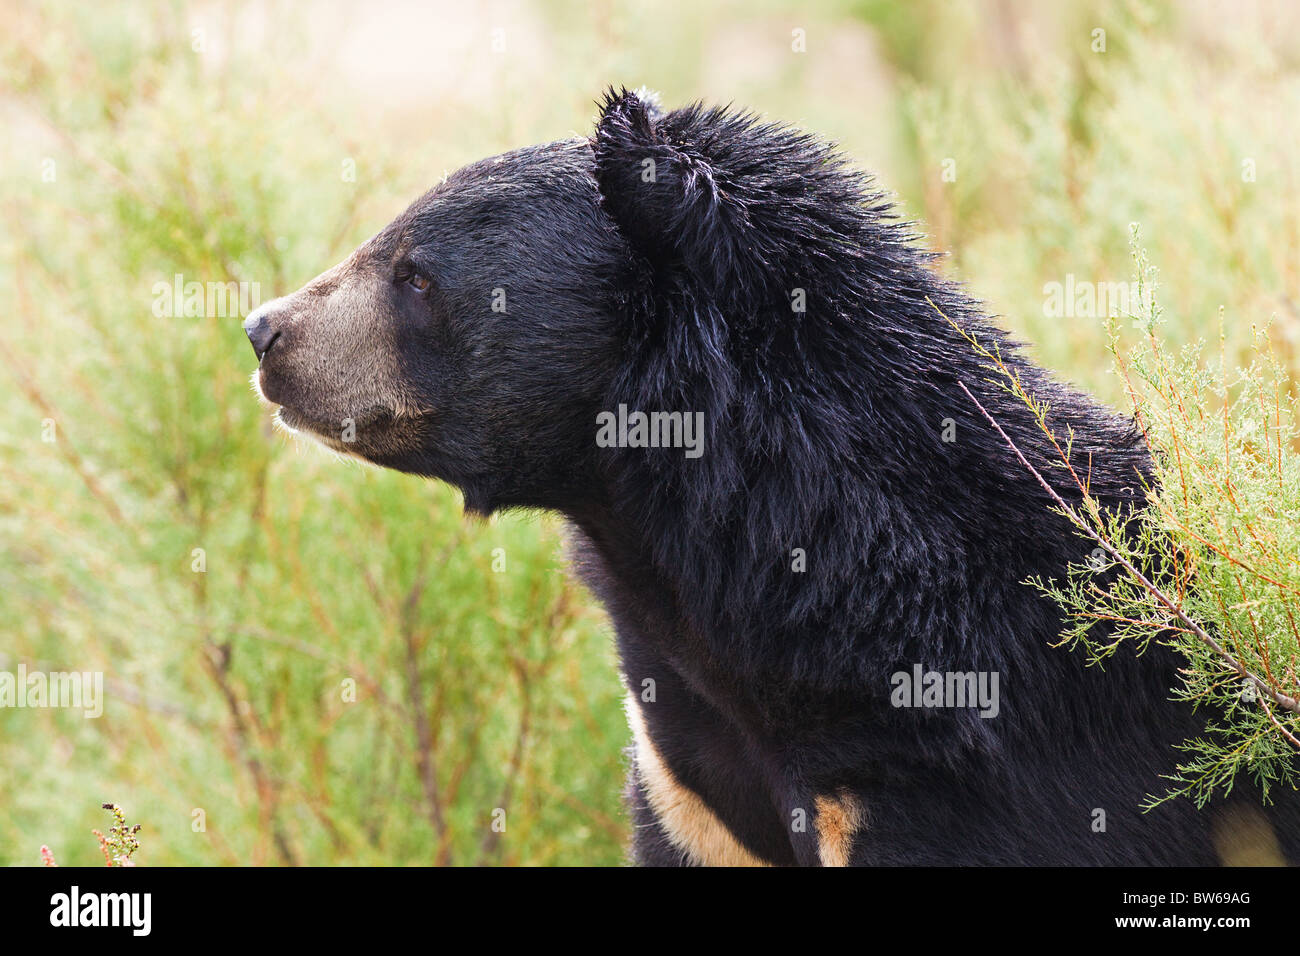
(260, 331)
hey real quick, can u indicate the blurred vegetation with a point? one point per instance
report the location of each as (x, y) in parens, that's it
(216, 142)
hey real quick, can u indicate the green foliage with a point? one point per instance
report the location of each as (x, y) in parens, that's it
(306, 660)
(1209, 565)
(1219, 540)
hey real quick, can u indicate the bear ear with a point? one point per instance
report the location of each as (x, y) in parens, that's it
(662, 191)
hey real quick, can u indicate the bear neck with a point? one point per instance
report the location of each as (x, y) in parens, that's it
(851, 509)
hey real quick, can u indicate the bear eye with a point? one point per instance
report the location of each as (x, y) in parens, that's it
(404, 271)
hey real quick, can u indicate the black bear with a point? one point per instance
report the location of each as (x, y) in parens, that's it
(708, 343)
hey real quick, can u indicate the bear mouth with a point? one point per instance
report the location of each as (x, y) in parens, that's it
(340, 434)
(298, 423)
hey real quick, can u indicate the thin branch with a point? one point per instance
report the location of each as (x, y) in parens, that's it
(1282, 700)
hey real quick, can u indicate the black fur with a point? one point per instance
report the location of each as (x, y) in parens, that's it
(823, 433)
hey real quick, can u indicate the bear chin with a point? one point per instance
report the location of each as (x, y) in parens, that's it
(290, 422)
(377, 437)
(296, 423)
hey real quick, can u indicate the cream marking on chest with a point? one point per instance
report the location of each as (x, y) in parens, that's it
(687, 820)
(839, 819)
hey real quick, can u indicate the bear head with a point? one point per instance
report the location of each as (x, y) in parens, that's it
(478, 336)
